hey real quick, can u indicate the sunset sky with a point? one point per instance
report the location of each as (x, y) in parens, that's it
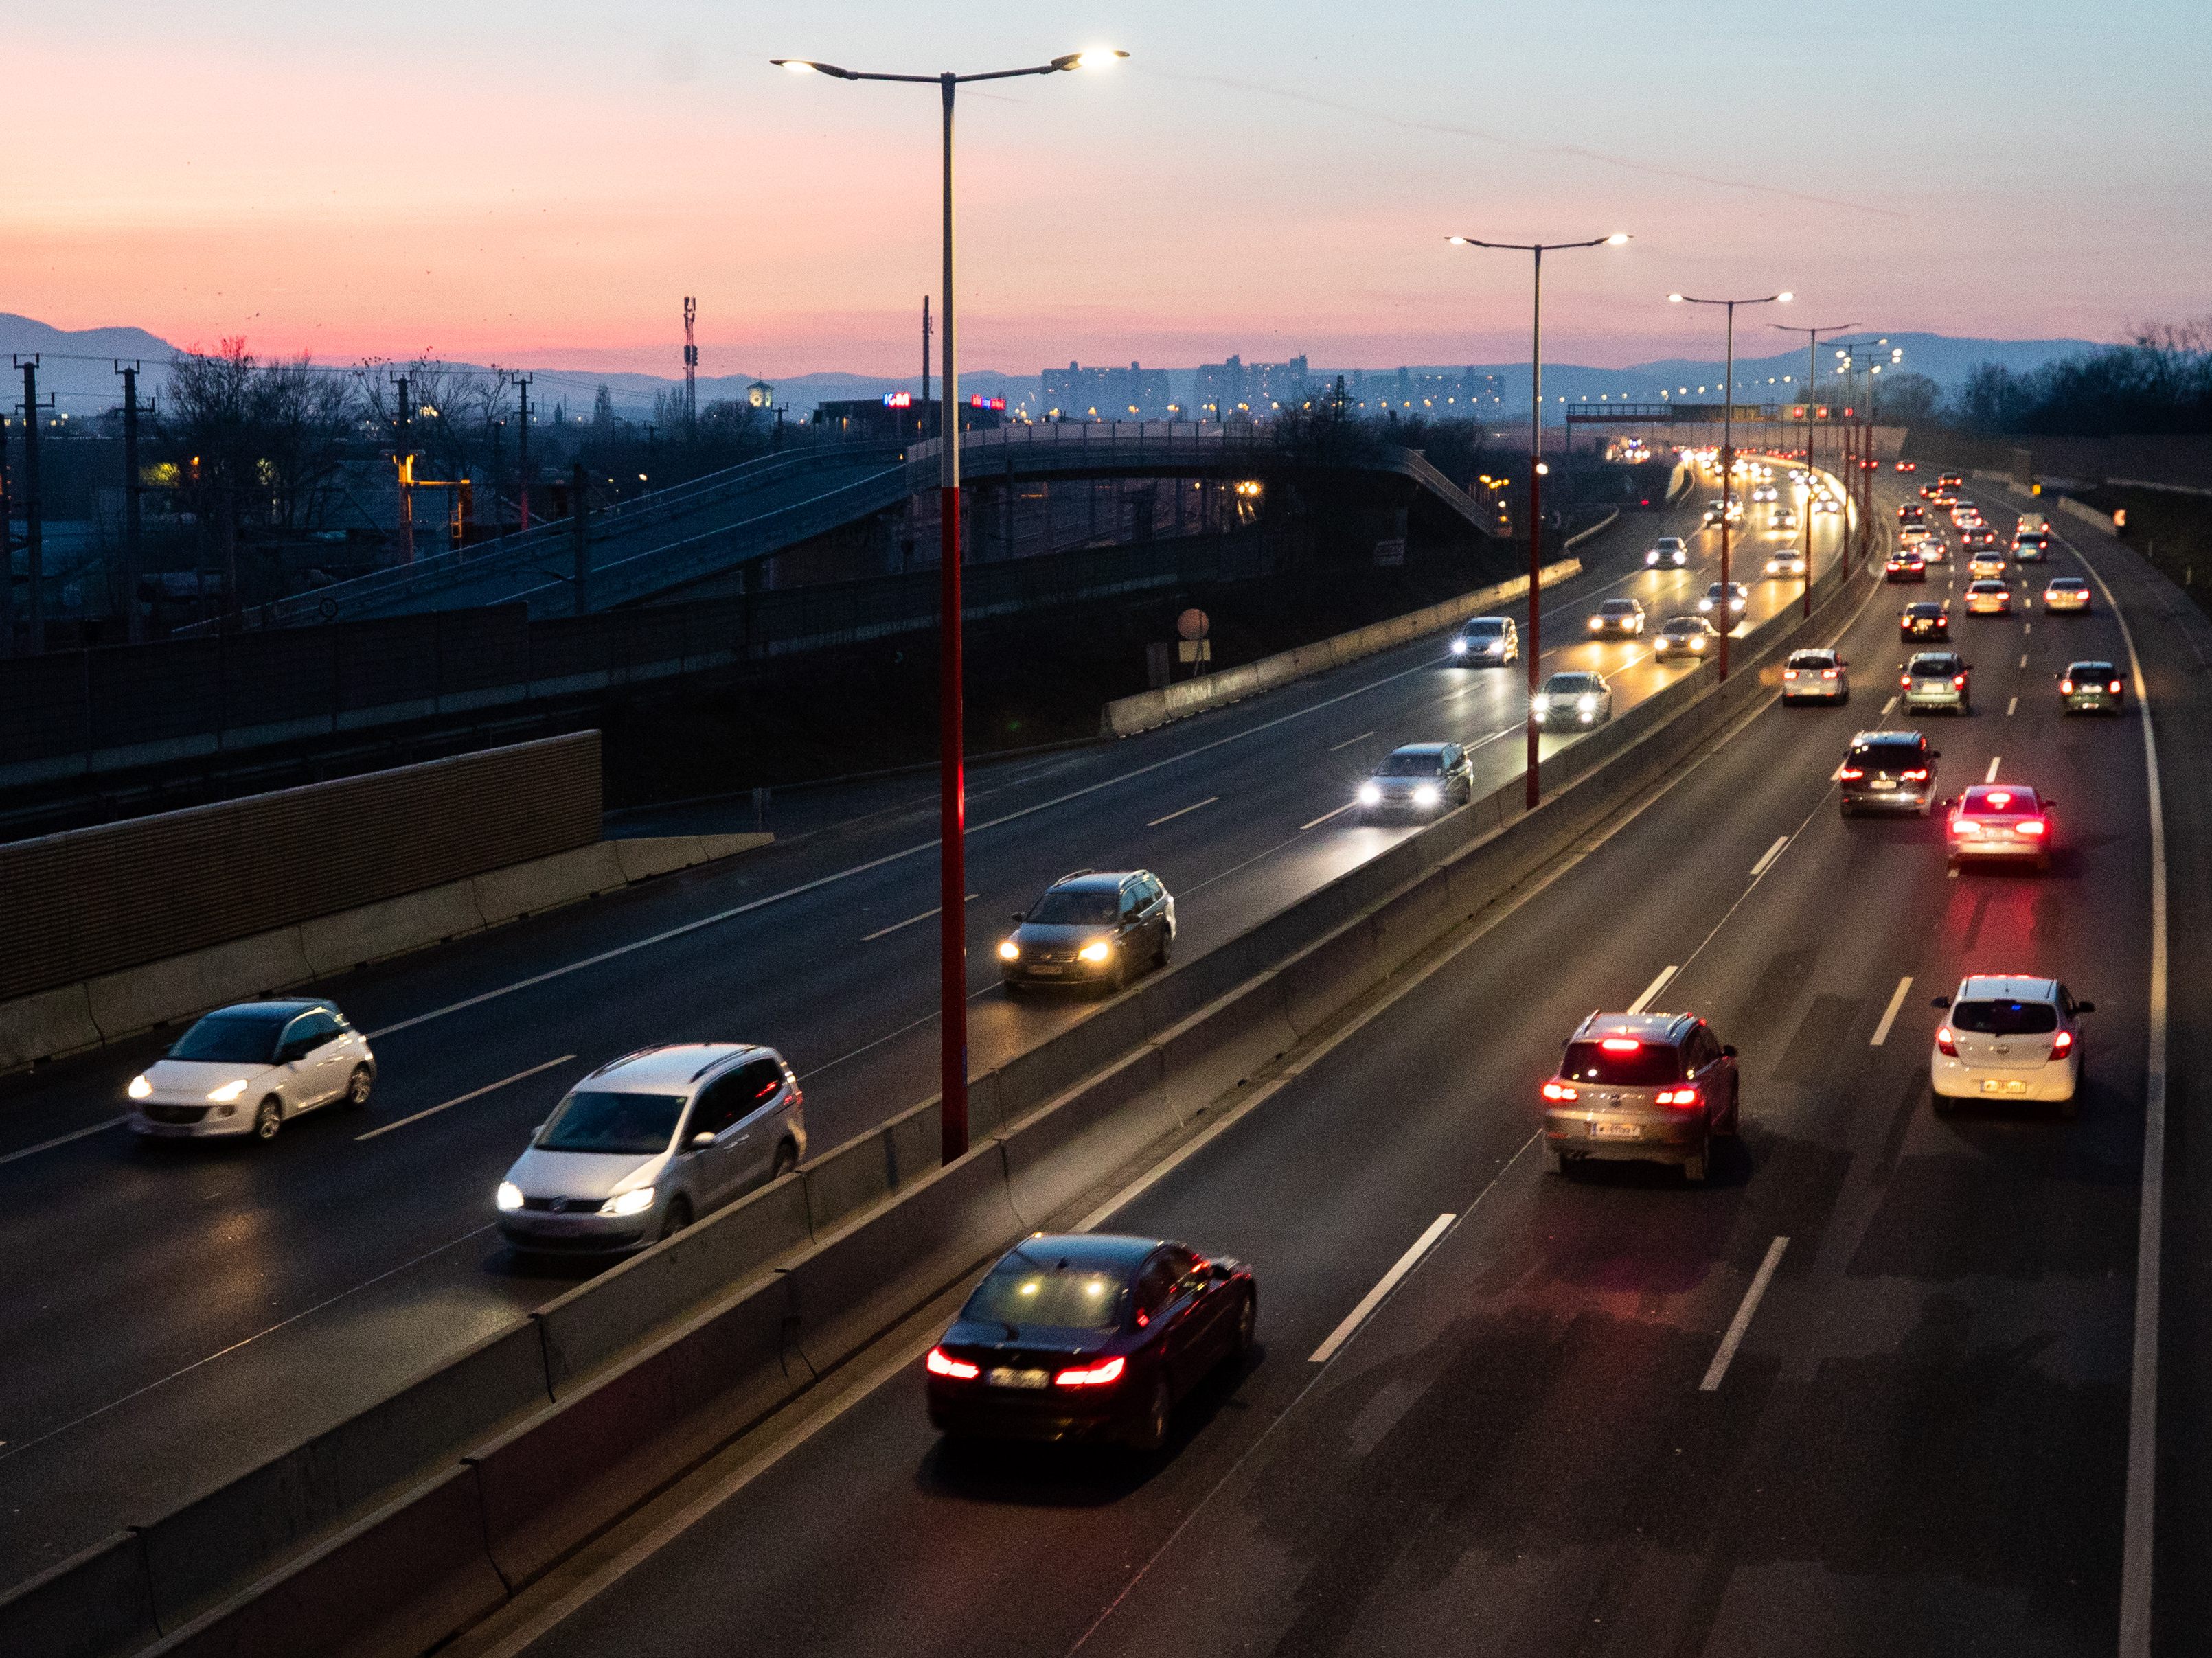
(544, 182)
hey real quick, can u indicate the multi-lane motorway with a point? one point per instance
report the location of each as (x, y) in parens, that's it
(196, 1309)
(1544, 1439)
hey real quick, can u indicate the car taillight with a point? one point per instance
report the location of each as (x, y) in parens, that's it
(2031, 827)
(1965, 826)
(1851, 774)
(1946, 1042)
(1789, 673)
(1905, 681)
(1917, 774)
(1959, 682)
(2115, 688)
(1678, 1097)
(2066, 687)
(1095, 1376)
(940, 1362)
(2061, 1044)
(1620, 1045)
(1558, 1090)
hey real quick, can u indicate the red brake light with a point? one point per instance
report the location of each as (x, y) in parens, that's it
(2031, 827)
(2115, 688)
(1827, 673)
(2061, 1044)
(1946, 1042)
(2066, 686)
(941, 1363)
(1965, 826)
(1917, 774)
(1620, 1045)
(1558, 1090)
(1999, 799)
(1095, 1376)
(1852, 774)
(1789, 673)
(1905, 681)
(1678, 1097)
(1959, 682)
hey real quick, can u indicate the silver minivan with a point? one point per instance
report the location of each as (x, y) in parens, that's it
(642, 1147)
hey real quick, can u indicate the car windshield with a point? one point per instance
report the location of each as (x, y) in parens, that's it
(1682, 624)
(1812, 659)
(1485, 629)
(1987, 587)
(1569, 684)
(1618, 607)
(2089, 671)
(600, 1119)
(1645, 1065)
(232, 1038)
(1074, 907)
(1019, 1292)
(2068, 584)
(1402, 764)
(1999, 1017)
(2000, 800)
(1938, 667)
(1886, 754)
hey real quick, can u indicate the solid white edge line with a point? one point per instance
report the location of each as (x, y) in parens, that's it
(1889, 1014)
(463, 1099)
(1357, 1316)
(1182, 812)
(1766, 858)
(1657, 984)
(63, 1140)
(2139, 1504)
(1741, 1321)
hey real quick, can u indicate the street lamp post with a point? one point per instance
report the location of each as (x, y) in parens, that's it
(1728, 448)
(1812, 374)
(1531, 653)
(1872, 356)
(952, 872)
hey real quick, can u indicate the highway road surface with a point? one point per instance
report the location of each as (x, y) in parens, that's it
(198, 1308)
(1868, 1393)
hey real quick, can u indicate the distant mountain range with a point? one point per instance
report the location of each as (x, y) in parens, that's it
(77, 367)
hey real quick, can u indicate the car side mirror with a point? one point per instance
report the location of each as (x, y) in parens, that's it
(1939, 1001)
(1018, 917)
(1935, 754)
(1728, 1049)
(1221, 1270)
(2085, 1007)
(701, 1140)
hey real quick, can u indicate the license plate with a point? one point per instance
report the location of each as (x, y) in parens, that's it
(166, 1128)
(1615, 1131)
(1884, 783)
(1043, 972)
(2003, 1085)
(1005, 1375)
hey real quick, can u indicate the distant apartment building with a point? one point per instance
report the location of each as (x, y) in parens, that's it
(1133, 394)
(1433, 393)
(1221, 389)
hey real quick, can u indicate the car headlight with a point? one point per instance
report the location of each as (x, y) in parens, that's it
(510, 1195)
(1426, 795)
(1697, 644)
(141, 1088)
(1369, 795)
(1009, 951)
(1597, 622)
(1097, 950)
(635, 1201)
(228, 1092)
(1543, 702)
(1705, 604)
(1588, 704)
(1459, 647)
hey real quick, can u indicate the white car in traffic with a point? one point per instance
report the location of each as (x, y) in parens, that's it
(2008, 1037)
(250, 1069)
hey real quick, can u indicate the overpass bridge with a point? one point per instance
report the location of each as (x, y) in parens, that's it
(658, 544)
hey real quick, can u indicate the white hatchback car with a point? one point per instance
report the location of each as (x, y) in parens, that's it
(1669, 552)
(250, 1069)
(2008, 1037)
(641, 1148)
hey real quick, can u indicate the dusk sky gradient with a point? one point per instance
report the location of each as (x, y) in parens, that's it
(544, 182)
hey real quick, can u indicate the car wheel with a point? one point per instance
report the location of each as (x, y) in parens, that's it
(1846, 808)
(1559, 1162)
(268, 1120)
(1694, 1168)
(357, 1087)
(787, 1159)
(1152, 1431)
(2042, 864)
(677, 1218)
(1118, 980)
(2070, 1106)
(1927, 807)
(1167, 943)
(1247, 1325)
(1945, 1105)
(1845, 699)
(1013, 987)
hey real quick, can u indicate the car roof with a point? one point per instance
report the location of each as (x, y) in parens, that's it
(1644, 1027)
(2069, 581)
(1988, 588)
(1620, 604)
(270, 1010)
(1578, 675)
(1818, 650)
(1420, 748)
(671, 1067)
(1488, 622)
(2009, 986)
(1898, 739)
(1934, 656)
(1082, 1251)
(1093, 880)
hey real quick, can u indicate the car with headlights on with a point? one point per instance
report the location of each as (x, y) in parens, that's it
(1888, 771)
(642, 1146)
(1783, 519)
(250, 1068)
(1764, 493)
(1936, 679)
(1905, 565)
(2067, 593)
(1924, 618)
(2001, 823)
(1487, 642)
(1735, 593)
(1667, 553)
(1828, 504)
(1088, 1336)
(2091, 688)
(1573, 699)
(1642, 1087)
(1090, 928)
(1418, 780)
(1816, 676)
(1713, 511)
(1988, 599)
(2008, 1037)
(1619, 619)
(1789, 562)
(1680, 636)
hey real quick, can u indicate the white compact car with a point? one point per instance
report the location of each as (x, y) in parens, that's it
(1669, 552)
(2006, 1037)
(250, 1069)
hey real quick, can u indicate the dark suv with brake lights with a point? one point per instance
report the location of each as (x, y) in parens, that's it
(1889, 771)
(1642, 1087)
(1090, 928)
(1924, 618)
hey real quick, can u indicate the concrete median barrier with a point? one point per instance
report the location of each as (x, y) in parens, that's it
(642, 857)
(1223, 1045)
(46, 1026)
(1057, 1153)
(98, 1604)
(1066, 1058)
(557, 1478)
(871, 1166)
(397, 1581)
(213, 1546)
(161, 992)
(508, 894)
(598, 1322)
(376, 933)
(869, 1273)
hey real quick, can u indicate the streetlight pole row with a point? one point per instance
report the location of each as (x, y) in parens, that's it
(1532, 649)
(1812, 372)
(952, 872)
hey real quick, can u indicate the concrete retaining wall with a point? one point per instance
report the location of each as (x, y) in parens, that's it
(824, 1262)
(1125, 716)
(105, 1009)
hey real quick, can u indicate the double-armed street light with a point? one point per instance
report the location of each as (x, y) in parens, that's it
(1532, 653)
(1872, 355)
(1812, 374)
(952, 873)
(1728, 450)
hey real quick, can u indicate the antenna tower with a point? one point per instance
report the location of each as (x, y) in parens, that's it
(691, 365)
